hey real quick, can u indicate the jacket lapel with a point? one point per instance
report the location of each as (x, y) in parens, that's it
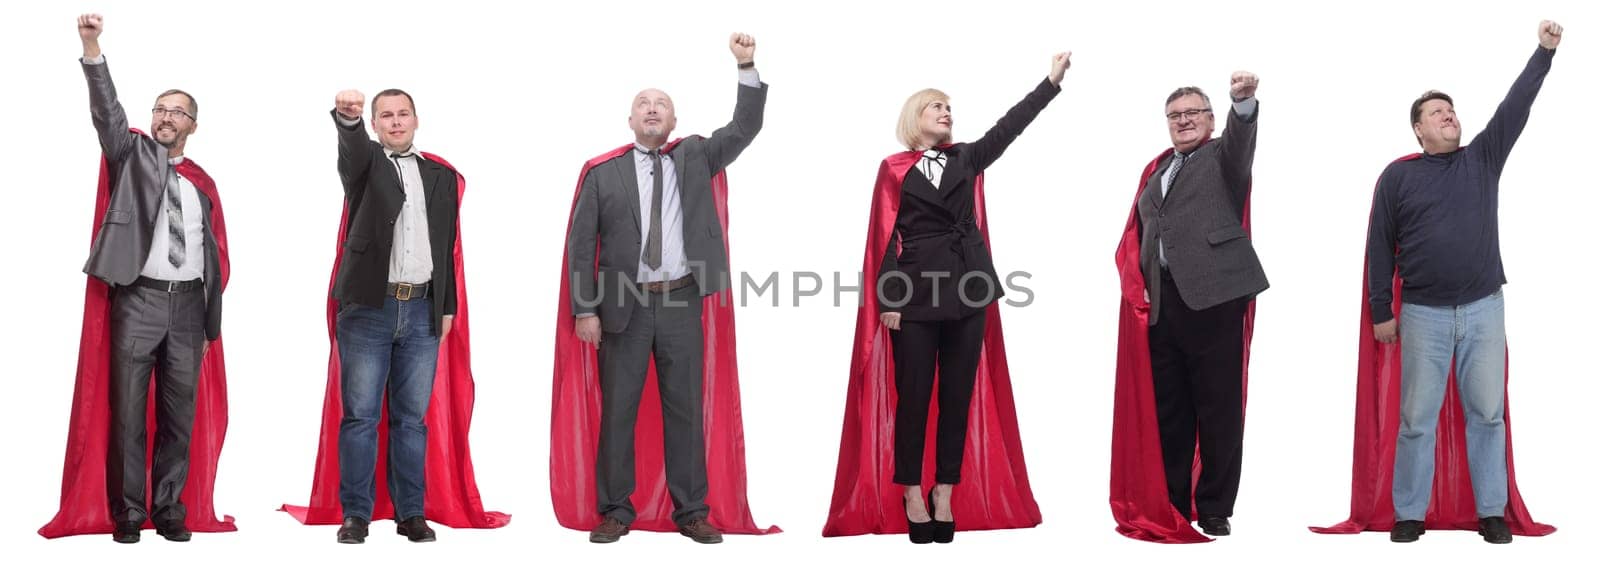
(626, 170)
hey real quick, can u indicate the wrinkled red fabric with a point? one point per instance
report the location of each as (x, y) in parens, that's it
(1139, 500)
(575, 414)
(994, 491)
(451, 497)
(1377, 431)
(85, 508)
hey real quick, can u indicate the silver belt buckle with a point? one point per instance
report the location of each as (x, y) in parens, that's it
(172, 286)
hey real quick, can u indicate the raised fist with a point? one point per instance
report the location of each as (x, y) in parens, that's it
(1549, 34)
(1059, 63)
(349, 103)
(1243, 85)
(90, 26)
(743, 47)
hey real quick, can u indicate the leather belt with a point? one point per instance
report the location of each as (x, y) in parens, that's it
(403, 292)
(666, 285)
(169, 286)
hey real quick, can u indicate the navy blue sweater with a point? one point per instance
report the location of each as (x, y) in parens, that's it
(1437, 216)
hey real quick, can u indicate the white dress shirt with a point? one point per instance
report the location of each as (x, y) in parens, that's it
(411, 258)
(194, 257)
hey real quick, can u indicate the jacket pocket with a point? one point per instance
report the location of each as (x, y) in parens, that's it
(1225, 234)
(117, 217)
(357, 243)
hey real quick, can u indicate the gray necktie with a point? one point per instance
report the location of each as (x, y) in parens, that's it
(1172, 173)
(175, 244)
(652, 244)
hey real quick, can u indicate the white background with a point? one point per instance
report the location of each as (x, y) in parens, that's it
(519, 96)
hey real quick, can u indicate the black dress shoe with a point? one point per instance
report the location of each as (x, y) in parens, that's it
(415, 529)
(1406, 531)
(1494, 530)
(353, 531)
(1215, 526)
(175, 532)
(920, 533)
(127, 533)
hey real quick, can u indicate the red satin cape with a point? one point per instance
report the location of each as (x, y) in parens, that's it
(85, 508)
(1377, 431)
(575, 414)
(451, 497)
(994, 492)
(1139, 500)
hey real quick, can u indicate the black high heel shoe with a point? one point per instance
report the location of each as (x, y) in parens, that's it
(943, 532)
(920, 533)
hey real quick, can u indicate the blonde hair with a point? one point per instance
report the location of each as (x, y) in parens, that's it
(910, 132)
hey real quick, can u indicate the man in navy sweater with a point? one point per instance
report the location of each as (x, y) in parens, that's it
(1436, 218)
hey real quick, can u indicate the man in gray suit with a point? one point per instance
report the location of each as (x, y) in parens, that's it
(1200, 274)
(157, 251)
(650, 211)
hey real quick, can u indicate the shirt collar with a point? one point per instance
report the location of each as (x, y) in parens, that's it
(175, 160)
(407, 153)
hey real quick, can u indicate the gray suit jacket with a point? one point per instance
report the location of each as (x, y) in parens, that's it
(607, 214)
(1200, 223)
(138, 169)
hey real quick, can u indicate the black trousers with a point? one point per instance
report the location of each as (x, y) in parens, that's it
(152, 330)
(666, 327)
(923, 349)
(1197, 362)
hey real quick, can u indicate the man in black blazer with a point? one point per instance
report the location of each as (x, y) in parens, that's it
(157, 251)
(396, 290)
(1200, 274)
(651, 212)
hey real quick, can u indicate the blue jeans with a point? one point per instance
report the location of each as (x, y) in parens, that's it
(1474, 336)
(391, 349)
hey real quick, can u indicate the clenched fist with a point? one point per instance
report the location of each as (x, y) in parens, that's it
(1059, 63)
(349, 103)
(1243, 85)
(743, 47)
(90, 26)
(1549, 34)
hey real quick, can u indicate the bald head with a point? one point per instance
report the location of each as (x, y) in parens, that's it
(652, 118)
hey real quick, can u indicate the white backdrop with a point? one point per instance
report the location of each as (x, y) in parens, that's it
(519, 96)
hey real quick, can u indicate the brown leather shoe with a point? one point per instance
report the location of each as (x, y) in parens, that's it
(609, 531)
(700, 531)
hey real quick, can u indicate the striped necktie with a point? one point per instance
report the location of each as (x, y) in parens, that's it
(176, 248)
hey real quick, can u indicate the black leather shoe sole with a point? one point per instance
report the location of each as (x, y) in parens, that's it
(1494, 539)
(126, 538)
(175, 536)
(424, 537)
(1216, 529)
(1407, 536)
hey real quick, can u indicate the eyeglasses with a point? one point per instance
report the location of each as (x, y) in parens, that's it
(1190, 114)
(160, 112)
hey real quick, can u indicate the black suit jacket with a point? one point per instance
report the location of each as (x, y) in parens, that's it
(138, 168)
(373, 197)
(607, 214)
(936, 241)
